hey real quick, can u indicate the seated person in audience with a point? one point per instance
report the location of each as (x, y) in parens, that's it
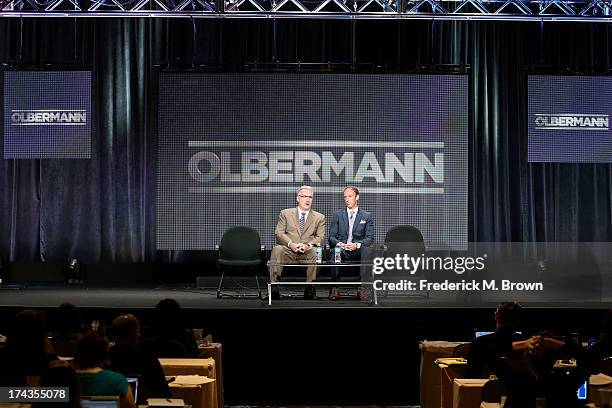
(127, 358)
(89, 358)
(485, 351)
(501, 353)
(61, 374)
(170, 337)
(601, 349)
(27, 353)
(525, 366)
(558, 386)
(66, 329)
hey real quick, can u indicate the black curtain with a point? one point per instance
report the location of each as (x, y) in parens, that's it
(103, 209)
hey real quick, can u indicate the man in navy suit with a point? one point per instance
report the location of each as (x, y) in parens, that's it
(351, 229)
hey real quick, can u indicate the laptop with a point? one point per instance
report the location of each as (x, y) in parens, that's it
(134, 383)
(100, 402)
(479, 333)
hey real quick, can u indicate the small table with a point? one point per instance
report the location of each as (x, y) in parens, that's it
(196, 390)
(214, 351)
(323, 264)
(205, 367)
(467, 392)
(432, 386)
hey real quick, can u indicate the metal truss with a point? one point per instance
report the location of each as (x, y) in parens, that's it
(540, 10)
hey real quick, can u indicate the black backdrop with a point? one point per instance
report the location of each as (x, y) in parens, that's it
(103, 210)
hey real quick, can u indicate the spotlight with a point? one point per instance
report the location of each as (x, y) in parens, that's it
(73, 272)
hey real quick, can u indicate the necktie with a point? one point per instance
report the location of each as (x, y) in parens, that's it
(302, 222)
(351, 222)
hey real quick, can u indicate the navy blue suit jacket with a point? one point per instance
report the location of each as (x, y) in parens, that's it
(363, 228)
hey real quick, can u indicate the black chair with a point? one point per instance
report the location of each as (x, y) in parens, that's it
(240, 250)
(405, 239)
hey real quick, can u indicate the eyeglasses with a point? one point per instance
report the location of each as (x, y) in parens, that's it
(305, 196)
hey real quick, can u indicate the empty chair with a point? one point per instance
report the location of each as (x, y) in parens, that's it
(240, 251)
(404, 240)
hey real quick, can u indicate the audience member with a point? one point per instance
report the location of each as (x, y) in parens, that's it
(61, 374)
(28, 352)
(601, 349)
(485, 351)
(558, 386)
(66, 327)
(89, 358)
(170, 337)
(127, 358)
(526, 366)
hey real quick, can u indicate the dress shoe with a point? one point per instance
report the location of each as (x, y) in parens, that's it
(310, 293)
(362, 294)
(334, 294)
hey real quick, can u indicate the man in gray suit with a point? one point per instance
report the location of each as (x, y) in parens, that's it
(351, 229)
(298, 232)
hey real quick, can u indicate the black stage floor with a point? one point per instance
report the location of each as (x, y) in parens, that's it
(299, 352)
(146, 297)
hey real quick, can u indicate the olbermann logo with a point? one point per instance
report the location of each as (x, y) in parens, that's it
(269, 166)
(571, 121)
(46, 117)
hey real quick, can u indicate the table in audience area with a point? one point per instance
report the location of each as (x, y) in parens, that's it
(431, 385)
(214, 351)
(189, 366)
(449, 369)
(192, 366)
(467, 392)
(600, 389)
(196, 390)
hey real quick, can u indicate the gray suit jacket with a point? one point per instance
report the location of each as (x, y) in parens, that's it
(288, 228)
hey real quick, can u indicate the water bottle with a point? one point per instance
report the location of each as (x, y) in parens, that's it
(319, 252)
(337, 258)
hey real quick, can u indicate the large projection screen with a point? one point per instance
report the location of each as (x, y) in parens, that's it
(569, 119)
(47, 114)
(235, 147)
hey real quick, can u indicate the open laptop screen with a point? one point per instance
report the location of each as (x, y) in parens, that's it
(479, 333)
(582, 391)
(100, 402)
(134, 381)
